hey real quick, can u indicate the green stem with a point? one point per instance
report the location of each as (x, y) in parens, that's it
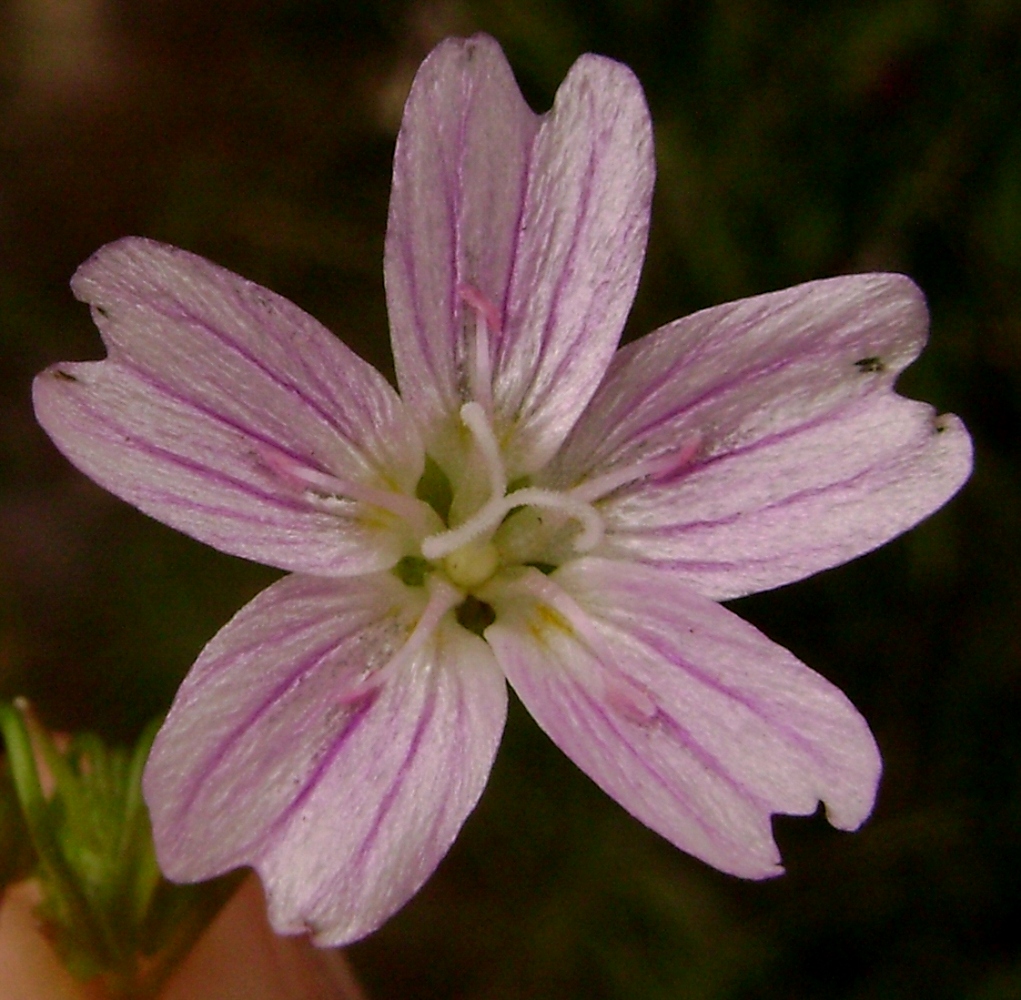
(34, 807)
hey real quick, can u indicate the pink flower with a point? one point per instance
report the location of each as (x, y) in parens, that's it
(536, 506)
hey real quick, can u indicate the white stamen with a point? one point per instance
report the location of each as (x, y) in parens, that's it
(618, 691)
(442, 597)
(475, 419)
(480, 375)
(650, 468)
(330, 491)
(547, 592)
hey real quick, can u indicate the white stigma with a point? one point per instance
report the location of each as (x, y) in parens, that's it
(489, 515)
(469, 536)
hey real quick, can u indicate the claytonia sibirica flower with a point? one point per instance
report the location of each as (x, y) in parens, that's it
(536, 506)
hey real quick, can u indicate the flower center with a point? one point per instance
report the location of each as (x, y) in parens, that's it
(467, 552)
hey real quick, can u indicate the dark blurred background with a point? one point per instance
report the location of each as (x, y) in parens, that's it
(794, 141)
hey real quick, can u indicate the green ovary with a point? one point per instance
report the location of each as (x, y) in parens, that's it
(472, 564)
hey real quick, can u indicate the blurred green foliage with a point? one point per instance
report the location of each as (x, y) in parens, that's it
(73, 819)
(794, 141)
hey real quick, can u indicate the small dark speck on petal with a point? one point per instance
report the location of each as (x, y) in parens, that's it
(64, 376)
(103, 311)
(870, 364)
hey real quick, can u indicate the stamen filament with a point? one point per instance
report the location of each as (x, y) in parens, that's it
(442, 597)
(480, 376)
(329, 488)
(475, 419)
(650, 468)
(609, 684)
(491, 512)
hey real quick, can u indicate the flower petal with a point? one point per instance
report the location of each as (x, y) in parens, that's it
(691, 718)
(547, 227)
(459, 180)
(280, 753)
(213, 390)
(581, 245)
(791, 451)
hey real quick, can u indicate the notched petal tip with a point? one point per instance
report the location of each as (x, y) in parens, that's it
(808, 457)
(583, 233)
(742, 730)
(464, 52)
(848, 800)
(122, 260)
(205, 372)
(617, 89)
(51, 387)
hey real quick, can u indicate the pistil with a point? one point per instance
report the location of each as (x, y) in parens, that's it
(489, 515)
(487, 518)
(472, 564)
